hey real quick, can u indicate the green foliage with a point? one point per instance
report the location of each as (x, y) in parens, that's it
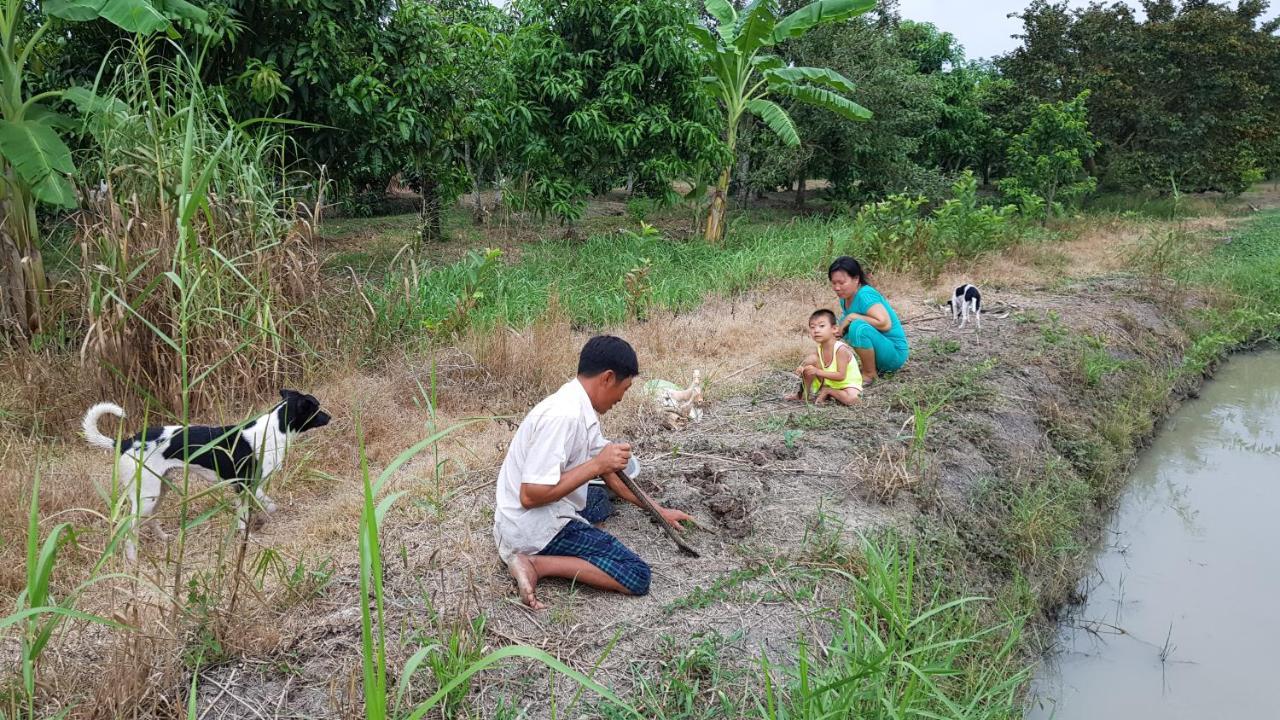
(893, 230)
(936, 114)
(688, 683)
(597, 93)
(384, 87)
(1160, 87)
(1046, 161)
(898, 649)
(440, 303)
(679, 277)
(745, 78)
(1246, 268)
(34, 161)
(898, 236)
(638, 289)
(964, 228)
(1044, 517)
(1097, 362)
(234, 283)
(39, 612)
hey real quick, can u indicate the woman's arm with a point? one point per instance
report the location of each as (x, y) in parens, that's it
(876, 317)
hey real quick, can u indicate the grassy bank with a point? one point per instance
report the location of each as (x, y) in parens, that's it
(1029, 537)
(901, 558)
(622, 275)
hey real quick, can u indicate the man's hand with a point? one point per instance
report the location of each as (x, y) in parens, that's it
(613, 458)
(674, 517)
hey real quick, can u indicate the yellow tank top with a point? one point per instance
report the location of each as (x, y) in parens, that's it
(852, 375)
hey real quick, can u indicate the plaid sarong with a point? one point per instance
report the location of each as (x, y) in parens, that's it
(578, 539)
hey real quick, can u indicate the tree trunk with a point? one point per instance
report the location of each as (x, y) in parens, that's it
(714, 231)
(478, 214)
(800, 188)
(430, 191)
(24, 288)
(744, 177)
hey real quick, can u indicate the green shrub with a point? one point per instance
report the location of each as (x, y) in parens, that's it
(895, 235)
(963, 228)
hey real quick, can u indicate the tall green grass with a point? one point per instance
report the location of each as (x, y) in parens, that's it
(587, 279)
(609, 278)
(38, 612)
(888, 644)
(1242, 280)
(179, 288)
(900, 650)
(201, 209)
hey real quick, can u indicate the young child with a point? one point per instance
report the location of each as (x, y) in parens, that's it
(832, 372)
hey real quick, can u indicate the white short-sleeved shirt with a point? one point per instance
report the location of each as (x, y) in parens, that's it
(559, 433)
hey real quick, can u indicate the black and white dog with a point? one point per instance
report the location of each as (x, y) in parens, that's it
(243, 455)
(966, 299)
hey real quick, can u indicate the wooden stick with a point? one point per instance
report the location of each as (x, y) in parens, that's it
(647, 504)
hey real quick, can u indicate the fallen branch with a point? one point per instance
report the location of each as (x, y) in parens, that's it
(648, 506)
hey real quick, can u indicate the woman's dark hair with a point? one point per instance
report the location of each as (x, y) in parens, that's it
(848, 265)
(606, 352)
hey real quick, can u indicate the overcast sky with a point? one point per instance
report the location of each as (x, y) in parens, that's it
(983, 27)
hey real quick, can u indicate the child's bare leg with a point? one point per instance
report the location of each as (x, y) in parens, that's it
(846, 396)
(823, 394)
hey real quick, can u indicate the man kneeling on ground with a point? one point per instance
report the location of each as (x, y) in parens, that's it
(544, 512)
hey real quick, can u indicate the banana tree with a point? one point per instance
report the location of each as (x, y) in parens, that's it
(34, 161)
(744, 76)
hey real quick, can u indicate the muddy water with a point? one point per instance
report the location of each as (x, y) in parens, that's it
(1183, 614)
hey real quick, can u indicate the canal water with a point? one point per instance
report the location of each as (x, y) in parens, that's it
(1181, 619)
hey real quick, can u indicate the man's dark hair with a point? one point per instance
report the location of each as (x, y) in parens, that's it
(606, 352)
(823, 312)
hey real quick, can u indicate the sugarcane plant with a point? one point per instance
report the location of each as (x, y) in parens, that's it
(744, 75)
(35, 164)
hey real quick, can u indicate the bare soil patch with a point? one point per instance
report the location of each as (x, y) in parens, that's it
(767, 475)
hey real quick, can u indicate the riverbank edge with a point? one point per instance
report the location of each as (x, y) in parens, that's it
(1224, 301)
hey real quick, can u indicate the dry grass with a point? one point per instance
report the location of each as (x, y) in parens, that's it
(885, 476)
(249, 302)
(438, 543)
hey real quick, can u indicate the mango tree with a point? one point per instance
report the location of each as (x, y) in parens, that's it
(34, 162)
(744, 76)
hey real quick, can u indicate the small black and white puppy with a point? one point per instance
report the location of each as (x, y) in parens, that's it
(243, 455)
(966, 299)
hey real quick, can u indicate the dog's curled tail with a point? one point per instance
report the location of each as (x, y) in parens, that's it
(90, 424)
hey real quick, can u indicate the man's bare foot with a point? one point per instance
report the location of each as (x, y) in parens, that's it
(868, 379)
(521, 568)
